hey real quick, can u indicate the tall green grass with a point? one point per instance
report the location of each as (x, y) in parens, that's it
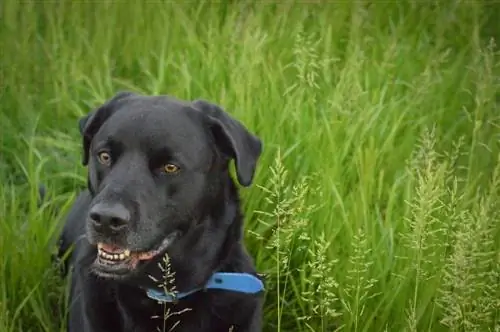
(376, 201)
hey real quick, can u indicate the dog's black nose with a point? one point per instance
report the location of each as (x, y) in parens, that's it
(113, 217)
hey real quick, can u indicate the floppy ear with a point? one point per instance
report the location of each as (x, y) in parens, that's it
(233, 139)
(90, 123)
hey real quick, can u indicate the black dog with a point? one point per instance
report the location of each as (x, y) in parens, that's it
(157, 236)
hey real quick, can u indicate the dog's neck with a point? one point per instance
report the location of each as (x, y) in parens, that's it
(191, 262)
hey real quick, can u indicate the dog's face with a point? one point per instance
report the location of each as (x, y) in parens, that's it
(156, 166)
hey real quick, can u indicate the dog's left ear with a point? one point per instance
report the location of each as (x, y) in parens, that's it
(90, 123)
(233, 139)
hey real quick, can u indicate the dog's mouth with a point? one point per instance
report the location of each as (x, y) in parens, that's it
(114, 261)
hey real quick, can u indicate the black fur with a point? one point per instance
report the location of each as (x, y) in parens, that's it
(200, 203)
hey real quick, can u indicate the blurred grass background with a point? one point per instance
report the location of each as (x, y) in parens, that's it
(375, 206)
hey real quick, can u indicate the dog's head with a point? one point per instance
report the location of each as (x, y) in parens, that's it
(156, 167)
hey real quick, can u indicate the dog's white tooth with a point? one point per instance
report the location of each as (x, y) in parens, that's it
(122, 256)
(116, 257)
(126, 252)
(99, 246)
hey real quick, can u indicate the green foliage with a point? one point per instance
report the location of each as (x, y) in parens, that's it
(375, 204)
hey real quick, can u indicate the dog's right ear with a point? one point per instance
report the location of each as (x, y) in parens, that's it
(90, 123)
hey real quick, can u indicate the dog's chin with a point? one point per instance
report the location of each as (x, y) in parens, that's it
(121, 263)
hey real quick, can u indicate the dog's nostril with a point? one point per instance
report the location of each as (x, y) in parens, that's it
(117, 223)
(95, 217)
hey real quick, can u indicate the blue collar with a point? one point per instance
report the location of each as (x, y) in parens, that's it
(230, 281)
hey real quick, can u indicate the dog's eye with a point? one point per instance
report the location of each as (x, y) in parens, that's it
(170, 168)
(104, 158)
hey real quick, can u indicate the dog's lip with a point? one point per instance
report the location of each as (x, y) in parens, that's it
(113, 271)
(167, 241)
(115, 258)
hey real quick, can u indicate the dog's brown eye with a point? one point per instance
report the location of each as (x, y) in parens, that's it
(104, 158)
(170, 168)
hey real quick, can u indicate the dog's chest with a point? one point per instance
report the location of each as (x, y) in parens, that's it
(145, 315)
(166, 318)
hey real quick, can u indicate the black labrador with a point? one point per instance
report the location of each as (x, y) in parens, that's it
(156, 238)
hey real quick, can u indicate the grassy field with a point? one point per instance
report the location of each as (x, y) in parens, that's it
(376, 205)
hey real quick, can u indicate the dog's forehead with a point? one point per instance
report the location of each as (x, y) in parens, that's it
(156, 123)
